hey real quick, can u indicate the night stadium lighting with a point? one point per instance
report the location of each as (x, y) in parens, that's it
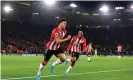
(57, 17)
(7, 9)
(104, 9)
(78, 12)
(35, 13)
(132, 7)
(50, 2)
(117, 8)
(73, 5)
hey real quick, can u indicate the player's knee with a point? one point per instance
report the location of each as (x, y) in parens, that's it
(46, 59)
(72, 63)
(63, 59)
(73, 59)
(44, 62)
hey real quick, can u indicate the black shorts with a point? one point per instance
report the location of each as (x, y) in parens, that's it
(49, 53)
(75, 54)
(119, 53)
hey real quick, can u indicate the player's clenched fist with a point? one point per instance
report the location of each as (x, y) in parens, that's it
(68, 37)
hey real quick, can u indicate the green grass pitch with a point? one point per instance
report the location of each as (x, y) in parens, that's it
(101, 68)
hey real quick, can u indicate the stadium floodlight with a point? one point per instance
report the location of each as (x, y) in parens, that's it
(35, 13)
(50, 2)
(104, 9)
(116, 8)
(132, 7)
(7, 9)
(57, 17)
(121, 7)
(73, 5)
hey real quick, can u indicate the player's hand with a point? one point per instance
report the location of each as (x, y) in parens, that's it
(68, 37)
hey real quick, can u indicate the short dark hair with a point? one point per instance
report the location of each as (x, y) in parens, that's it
(60, 20)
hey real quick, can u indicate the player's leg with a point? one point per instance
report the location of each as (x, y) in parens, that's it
(61, 58)
(119, 56)
(47, 56)
(89, 57)
(72, 63)
(74, 58)
(67, 60)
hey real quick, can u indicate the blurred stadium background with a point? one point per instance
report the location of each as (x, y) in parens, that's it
(27, 25)
(26, 28)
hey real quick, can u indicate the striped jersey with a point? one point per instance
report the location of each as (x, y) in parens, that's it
(119, 48)
(77, 44)
(56, 33)
(88, 48)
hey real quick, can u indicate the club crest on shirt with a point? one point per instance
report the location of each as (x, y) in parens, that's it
(56, 34)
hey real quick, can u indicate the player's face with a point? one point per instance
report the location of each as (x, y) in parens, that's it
(80, 33)
(63, 24)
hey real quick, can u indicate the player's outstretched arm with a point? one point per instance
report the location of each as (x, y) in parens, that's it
(92, 49)
(56, 36)
(70, 45)
(58, 40)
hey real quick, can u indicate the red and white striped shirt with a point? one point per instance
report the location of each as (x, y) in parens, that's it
(88, 48)
(52, 45)
(119, 48)
(76, 44)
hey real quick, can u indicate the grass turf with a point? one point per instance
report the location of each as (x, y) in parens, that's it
(27, 66)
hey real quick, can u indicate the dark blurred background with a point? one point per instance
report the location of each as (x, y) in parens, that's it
(27, 25)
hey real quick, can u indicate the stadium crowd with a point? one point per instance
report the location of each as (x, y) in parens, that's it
(26, 37)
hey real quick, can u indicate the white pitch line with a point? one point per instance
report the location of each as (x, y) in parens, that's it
(69, 74)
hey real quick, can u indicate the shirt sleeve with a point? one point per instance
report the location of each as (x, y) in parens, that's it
(84, 46)
(55, 34)
(66, 35)
(70, 44)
